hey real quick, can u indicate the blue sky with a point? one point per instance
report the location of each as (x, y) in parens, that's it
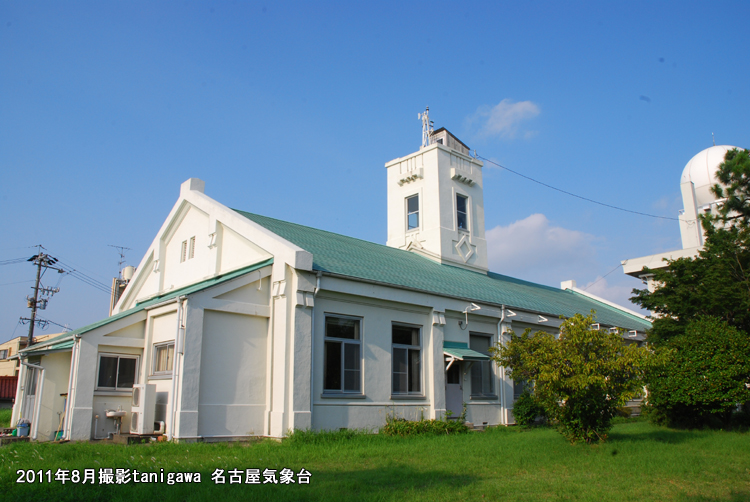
(291, 110)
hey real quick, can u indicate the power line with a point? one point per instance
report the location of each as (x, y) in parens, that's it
(602, 277)
(578, 196)
(13, 261)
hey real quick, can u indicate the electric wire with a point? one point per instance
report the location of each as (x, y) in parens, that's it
(13, 261)
(602, 277)
(576, 195)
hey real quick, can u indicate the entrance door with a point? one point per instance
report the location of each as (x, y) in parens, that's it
(454, 394)
(29, 395)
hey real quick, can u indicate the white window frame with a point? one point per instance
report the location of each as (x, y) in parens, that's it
(117, 370)
(406, 204)
(468, 206)
(183, 252)
(191, 250)
(157, 346)
(483, 366)
(344, 342)
(417, 347)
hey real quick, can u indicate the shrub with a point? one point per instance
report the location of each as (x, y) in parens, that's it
(402, 427)
(701, 375)
(581, 377)
(527, 409)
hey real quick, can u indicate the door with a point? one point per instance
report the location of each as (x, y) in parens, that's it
(454, 394)
(29, 395)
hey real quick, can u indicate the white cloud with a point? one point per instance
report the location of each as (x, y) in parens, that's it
(616, 293)
(532, 249)
(504, 119)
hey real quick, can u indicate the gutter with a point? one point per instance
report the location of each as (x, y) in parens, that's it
(319, 274)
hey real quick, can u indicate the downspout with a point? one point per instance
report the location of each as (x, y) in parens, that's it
(312, 346)
(66, 421)
(178, 349)
(37, 400)
(504, 415)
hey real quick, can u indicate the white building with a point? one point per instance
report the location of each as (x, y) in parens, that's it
(698, 176)
(251, 326)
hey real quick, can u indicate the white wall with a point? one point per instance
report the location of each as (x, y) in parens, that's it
(233, 375)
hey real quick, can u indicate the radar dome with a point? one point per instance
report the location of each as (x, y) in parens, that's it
(701, 170)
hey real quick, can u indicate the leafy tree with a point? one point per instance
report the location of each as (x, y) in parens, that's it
(715, 283)
(699, 377)
(734, 176)
(580, 378)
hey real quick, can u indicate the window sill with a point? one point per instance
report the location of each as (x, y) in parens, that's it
(342, 395)
(165, 376)
(112, 392)
(408, 397)
(484, 398)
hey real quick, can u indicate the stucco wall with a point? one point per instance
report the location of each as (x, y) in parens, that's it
(233, 375)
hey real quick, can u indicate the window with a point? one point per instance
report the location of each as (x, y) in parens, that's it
(342, 365)
(482, 379)
(462, 212)
(163, 357)
(412, 212)
(117, 372)
(4, 354)
(187, 251)
(406, 360)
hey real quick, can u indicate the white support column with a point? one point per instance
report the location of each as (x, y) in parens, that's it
(81, 427)
(437, 366)
(300, 366)
(188, 395)
(277, 422)
(506, 384)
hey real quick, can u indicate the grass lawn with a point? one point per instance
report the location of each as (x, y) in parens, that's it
(640, 462)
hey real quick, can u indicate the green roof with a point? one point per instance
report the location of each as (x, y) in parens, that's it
(358, 259)
(47, 345)
(462, 351)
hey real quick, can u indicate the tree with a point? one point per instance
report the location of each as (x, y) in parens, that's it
(580, 378)
(701, 376)
(715, 283)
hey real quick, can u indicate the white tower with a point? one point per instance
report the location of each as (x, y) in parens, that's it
(697, 179)
(435, 202)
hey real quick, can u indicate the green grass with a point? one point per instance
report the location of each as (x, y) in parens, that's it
(5, 414)
(640, 462)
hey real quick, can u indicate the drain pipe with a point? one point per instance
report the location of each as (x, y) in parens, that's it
(68, 401)
(178, 349)
(312, 345)
(504, 416)
(37, 400)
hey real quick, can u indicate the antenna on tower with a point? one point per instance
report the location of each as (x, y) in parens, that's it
(714, 139)
(427, 127)
(121, 252)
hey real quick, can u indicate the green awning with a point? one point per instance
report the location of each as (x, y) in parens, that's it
(48, 349)
(462, 352)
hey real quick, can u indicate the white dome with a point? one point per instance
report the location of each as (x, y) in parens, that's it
(701, 170)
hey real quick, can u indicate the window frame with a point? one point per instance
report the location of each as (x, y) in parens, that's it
(465, 214)
(481, 365)
(117, 370)
(342, 391)
(3, 354)
(155, 362)
(418, 348)
(409, 228)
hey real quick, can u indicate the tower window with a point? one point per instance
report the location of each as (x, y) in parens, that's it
(462, 219)
(412, 212)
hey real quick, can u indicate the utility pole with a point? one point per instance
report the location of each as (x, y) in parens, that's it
(40, 260)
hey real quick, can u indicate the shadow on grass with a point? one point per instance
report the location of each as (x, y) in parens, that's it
(669, 436)
(742, 496)
(382, 483)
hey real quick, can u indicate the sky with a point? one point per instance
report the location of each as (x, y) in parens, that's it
(291, 110)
